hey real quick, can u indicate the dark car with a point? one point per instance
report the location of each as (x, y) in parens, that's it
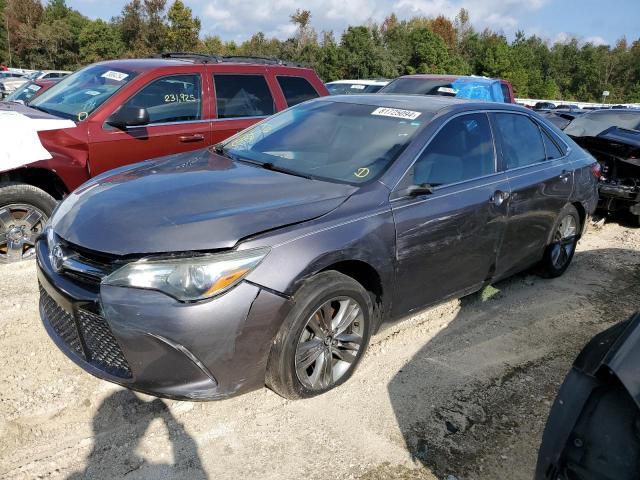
(120, 112)
(613, 138)
(31, 90)
(470, 87)
(274, 257)
(593, 429)
(544, 106)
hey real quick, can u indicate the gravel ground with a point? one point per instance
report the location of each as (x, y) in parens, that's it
(462, 389)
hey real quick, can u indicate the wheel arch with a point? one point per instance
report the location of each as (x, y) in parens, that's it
(41, 178)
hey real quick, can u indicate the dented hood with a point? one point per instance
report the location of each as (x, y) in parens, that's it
(186, 202)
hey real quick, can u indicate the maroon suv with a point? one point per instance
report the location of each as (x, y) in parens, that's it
(124, 111)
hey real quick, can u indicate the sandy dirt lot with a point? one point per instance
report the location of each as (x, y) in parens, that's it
(459, 390)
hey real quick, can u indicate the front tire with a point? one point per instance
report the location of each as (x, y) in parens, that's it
(322, 340)
(559, 253)
(24, 211)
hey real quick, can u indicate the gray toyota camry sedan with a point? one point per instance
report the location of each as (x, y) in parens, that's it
(273, 257)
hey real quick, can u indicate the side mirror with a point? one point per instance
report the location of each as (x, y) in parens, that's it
(129, 117)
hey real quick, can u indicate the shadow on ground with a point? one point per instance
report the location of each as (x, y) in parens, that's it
(120, 433)
(473, 402)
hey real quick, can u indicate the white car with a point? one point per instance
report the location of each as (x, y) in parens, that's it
(11, 83)
(350, 87)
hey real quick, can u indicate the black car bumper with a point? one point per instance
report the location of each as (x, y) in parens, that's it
(149, 342)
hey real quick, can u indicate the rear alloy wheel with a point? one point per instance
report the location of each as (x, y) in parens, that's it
(323, 338)
(560, 251)
(24, 211)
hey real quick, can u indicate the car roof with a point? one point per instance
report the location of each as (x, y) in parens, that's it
(360, 82)
(429, 76)
(420, 103)
(146, 64)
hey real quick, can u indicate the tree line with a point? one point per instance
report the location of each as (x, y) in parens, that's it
(54, 36)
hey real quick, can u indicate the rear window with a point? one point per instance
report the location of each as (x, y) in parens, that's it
(296, 90)
(521, 140)
(475, 88)
(242, 96)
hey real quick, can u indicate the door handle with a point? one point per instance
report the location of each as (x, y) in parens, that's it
(499, 197)
(565, 176)
(191, 138)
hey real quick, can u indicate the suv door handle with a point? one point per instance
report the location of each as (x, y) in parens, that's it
(499, 197)
(565, 176)
(191, 138)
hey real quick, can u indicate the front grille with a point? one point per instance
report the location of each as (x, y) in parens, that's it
(104, 348)
(88, 335)
(62, 322)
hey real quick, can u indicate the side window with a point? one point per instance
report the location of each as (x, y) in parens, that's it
(521, 140)
(461, 150)
(296, 90)
(176, 98)
(242, 96)
(553, 151)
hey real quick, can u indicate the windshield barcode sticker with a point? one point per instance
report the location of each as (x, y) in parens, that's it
(396, 113)
(357, 87)
(117, 76)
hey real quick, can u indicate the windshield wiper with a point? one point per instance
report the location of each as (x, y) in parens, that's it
(276, 168)
(220, 150)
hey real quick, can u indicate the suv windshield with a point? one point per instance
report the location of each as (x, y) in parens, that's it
(79, 94)
(462, 87)
(335, 141)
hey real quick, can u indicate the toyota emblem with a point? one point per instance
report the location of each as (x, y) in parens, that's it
(57, 258)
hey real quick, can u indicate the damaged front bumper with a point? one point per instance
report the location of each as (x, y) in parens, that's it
(149, 342)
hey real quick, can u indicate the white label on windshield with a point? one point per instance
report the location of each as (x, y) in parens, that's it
(447, 90)
(33, 88)
(93, 93)
(358, 87)
(396, 113)
(117, 76)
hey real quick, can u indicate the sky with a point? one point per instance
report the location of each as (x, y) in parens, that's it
(597, 21)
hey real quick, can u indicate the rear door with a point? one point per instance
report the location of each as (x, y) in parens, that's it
(178, 122)
(239, 101)
(541, 181)
(447, 241)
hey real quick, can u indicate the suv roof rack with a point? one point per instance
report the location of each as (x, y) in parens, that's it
(206, 58)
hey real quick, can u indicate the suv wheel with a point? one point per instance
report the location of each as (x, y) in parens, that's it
(559, 253)
(322, 339)
(24, 211)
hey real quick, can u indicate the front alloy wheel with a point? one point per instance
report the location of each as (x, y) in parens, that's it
(20, 225)
(323, 337)
(329, 343)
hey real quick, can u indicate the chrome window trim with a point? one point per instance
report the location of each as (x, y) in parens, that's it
(253, 117)
(183, 122)
(435, 134)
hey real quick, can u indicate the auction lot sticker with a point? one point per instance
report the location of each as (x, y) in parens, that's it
(113, 75)
(396, 113)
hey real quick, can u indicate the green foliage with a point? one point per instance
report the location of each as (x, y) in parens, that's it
(50, 34)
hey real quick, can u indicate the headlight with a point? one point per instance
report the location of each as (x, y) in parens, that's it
(192, 278)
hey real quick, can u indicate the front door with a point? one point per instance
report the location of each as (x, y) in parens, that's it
(447, 241)
(177, 123)
(541, 180)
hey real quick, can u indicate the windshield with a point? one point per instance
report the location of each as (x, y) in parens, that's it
(79, 94)
(34, 75)
(24, 93)
(593, 124)
(341, 142)
(351, 88)
(462, 87)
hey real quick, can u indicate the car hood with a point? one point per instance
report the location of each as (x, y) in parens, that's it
(186, 202)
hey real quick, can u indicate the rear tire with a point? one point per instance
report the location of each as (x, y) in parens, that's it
(559, 253)
(24, 211)
(310, 357)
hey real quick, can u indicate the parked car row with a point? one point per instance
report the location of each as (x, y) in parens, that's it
(11, 81)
